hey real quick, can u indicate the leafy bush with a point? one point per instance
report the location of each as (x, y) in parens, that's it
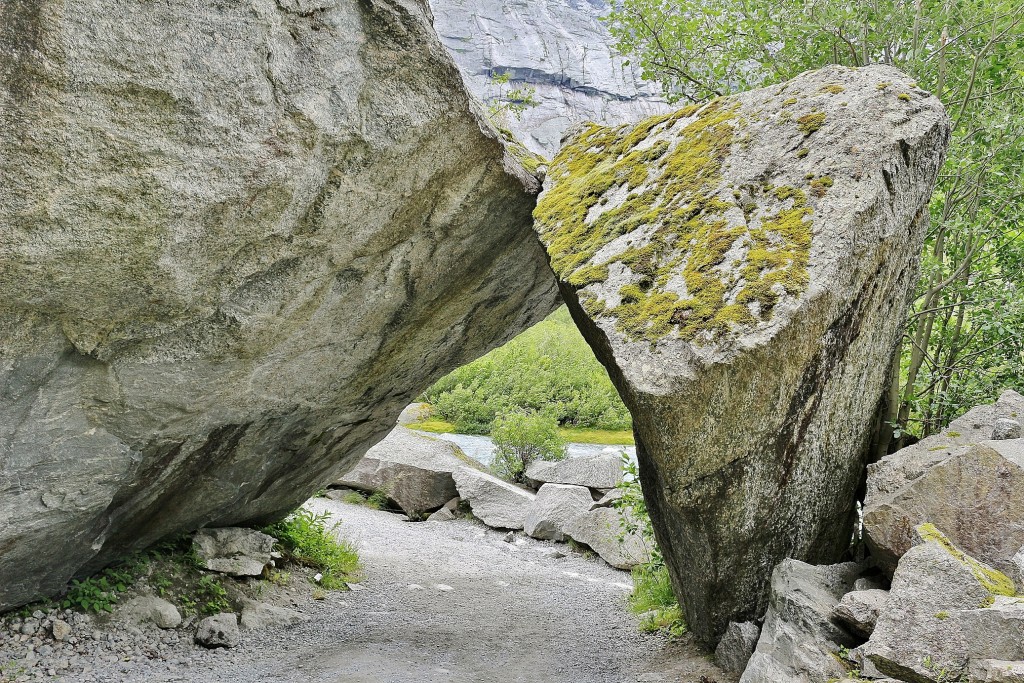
(305, 538)
(520, 437)
(548, 368)
(98, 593)
(652, 597)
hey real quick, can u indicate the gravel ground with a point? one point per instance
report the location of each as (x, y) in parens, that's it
(449, 602)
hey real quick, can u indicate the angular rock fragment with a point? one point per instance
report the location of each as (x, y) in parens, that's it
(598, 471)
(149, 609)
(605, 530)
(736, 647)
(237, 239)
(945, 608)
(220, 630)
(554, 507)
(412, 469)
(859, 610)
(233, 550)
(494, 502)
(975, 495)
(995, 671)
(742, 268)
(259, 615)
(799, 638)
(1005, 428)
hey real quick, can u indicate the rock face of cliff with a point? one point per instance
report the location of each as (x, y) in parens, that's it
(743, 270)
(235, 240)
(561, 49)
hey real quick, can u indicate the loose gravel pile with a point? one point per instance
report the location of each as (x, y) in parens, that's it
(450, 602)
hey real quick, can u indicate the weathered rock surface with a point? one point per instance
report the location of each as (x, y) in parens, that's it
(1005, 428)
(149, 609)
(944, 609)
(554, 507)
(799, 638)
(742, 269)
(995, 671)
(736, 647)
(561, 49)
(859, 609)
(597, 471)
(494, 502)
(412, 469)
(603, 529)
(220, 630)
(233, 550)
(971, 489)
(236, 240)
(259, 615)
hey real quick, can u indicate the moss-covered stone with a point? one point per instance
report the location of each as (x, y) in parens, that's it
(994, 581)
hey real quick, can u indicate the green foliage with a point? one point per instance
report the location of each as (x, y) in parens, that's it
(652, 597)
(305, 538)
(98, 593)
(521, 437)
(965, 335)
(510, 100)
(548, 368)
(211, 596)
(378, 500)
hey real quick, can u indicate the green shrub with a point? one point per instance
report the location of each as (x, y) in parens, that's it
(305, 538)
(98, 593)
(548, 368)
(521, 437)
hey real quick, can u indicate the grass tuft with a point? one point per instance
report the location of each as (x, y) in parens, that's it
(305, 539)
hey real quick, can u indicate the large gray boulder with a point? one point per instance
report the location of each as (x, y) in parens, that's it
(736, 647)
(945, 608)
(494, 502)
(970, 488)
(800, 638)
(412, 469)
(610, 532)
(554, 507)
(562, 50)
(742, 269)
(149, 609)
(236, 239)
(600, 471)
(233, 550)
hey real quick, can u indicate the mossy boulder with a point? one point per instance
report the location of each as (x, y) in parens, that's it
(743, 268)
(235, 240)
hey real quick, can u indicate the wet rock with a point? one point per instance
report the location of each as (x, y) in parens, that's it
(736, 647)
(494, 502)
(859, 609)
(799, 638)
(947, 494)
(220, 630)
(235, 551)
(742, 268)
(945, 608)
(553, 508)
(603, 530)
(412, 469)
(272, 255)
(150, 609)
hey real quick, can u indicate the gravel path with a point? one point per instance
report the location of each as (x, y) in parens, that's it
(447, 602)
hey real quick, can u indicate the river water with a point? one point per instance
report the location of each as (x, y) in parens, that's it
(481, 448)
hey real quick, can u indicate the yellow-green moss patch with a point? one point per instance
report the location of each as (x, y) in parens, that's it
(808, 123)
(833, 88)
(994, 581)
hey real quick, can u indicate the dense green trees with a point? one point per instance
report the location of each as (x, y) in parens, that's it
(965, 335)
(549, 369)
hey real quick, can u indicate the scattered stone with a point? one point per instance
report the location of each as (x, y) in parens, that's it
(258, 615)
(553, 508)
(550, 553)
(355, 587)
(737, 647)
(220, 630)
(494, 502)
(752, 388)
(60, 629)
(235, 551)
(412, 469)
(596, 471)
(799, 639)
(442, 515)
(608, 500)
(604, 531)
(867, 583)
(944, 608)
(150, 609)
(860, 609)
(1005, 428)
(947, 494)
(510, 537)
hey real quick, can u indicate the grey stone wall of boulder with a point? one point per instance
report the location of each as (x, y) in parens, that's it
(236, 239)
(743, 271)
